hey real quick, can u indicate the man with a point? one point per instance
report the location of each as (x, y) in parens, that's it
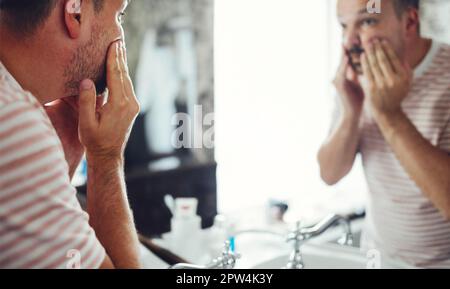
(55, 57)
(394, 91)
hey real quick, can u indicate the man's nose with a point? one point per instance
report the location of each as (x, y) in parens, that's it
(351, 39)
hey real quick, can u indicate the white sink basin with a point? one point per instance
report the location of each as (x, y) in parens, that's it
(269, 252)
(327, 256)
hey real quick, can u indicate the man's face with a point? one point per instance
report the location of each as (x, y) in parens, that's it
(360, 28)
(89, 59)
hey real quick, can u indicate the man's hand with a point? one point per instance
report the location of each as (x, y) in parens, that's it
(64, 118)
(348, 88)
(104, 131)
(386, 80)
(337, 154)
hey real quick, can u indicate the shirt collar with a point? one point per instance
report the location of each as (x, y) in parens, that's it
(428, 60)
(4, 73)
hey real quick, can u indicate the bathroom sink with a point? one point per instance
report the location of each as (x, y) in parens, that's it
(326, 256)
(270, 252)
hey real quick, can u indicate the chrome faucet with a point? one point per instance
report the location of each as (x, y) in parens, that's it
(226, 261)
(301, 235)
(296, 258)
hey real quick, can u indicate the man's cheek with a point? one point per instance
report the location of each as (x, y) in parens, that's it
(369, 38)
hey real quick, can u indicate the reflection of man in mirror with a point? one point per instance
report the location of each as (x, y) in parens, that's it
(394, 93)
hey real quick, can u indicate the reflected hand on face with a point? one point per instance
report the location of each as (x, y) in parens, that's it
(104, 131)
(348, 88)
(386, 80)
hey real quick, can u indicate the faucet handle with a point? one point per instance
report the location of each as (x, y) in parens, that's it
(296, 258)
(227, 247)
(346, 239)
(227, 260)
(296, 234)
(298, 226)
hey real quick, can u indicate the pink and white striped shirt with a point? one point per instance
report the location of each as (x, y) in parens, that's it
(401, 221)
(42, 224)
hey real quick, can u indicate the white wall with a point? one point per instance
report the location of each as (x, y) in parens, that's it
(436, 19)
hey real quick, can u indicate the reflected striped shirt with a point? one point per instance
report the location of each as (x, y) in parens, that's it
(401, 220)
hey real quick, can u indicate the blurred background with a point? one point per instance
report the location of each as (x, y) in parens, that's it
(254, 76)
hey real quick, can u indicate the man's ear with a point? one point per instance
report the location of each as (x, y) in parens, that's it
(72, 17)
(413, 21)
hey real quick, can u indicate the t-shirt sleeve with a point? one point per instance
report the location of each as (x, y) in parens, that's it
(42, 224)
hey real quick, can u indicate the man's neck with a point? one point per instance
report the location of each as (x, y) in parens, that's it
(421, 48)
(27, 64)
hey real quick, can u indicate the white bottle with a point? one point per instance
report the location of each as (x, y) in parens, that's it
(186, 235)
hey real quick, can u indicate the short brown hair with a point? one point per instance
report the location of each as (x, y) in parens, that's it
(25, 16)
(403, 5)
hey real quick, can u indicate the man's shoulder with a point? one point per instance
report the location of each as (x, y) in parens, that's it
(437, 76)
(445, 48)
(9, 93)
(14, 106)
(443, 57)
(21, 118)
(443, 70)
(24, 124)
(12, 95)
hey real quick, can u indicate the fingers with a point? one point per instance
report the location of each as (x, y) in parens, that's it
(100, 102)
(122, 58)
(114, 73)
(392, 56)
(373, 65)
(87, 105)
(351, 74)
(342, 72)
(383, 61)
(366, 69)
(127, 84)
(119, 82)
(135, 106)
(343, 65)
(120, 87)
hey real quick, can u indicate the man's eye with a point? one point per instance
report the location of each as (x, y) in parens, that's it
(369, 22)
(121, 17)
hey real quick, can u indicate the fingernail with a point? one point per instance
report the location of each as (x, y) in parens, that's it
(86, 84)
